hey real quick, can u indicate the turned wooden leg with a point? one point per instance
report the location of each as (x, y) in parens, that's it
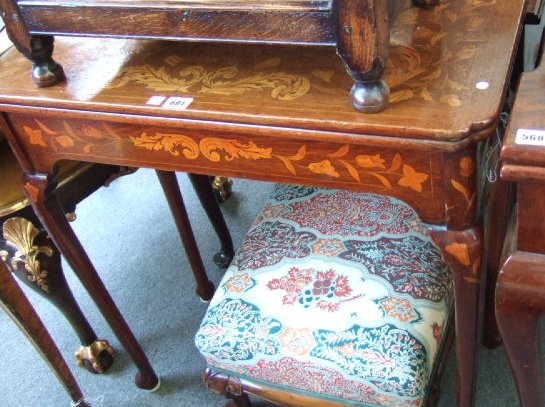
(520, 302)
(228, 386)
(363, 42)
(14, 302)
(40, 191)
(463, 251)
(37, 48)
(208, 200)
(34, 259)
(169, 183)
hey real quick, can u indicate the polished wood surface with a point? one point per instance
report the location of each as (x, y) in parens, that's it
(520, 291)
(358, 29)
(436, 59)
(281, 114)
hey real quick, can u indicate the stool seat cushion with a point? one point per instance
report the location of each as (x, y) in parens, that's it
(333, 294)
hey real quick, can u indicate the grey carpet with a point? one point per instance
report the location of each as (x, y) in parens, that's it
(131, 238)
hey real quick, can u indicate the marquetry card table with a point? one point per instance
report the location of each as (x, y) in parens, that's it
(280, 113)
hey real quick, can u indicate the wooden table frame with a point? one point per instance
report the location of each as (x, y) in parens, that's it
(460, 239)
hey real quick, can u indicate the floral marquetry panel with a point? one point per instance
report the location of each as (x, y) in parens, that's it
(438, 71)
(413, 175)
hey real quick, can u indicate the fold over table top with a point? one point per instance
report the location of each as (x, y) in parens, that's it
(447, 72)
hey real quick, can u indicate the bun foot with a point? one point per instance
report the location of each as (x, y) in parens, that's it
(222, 259)
(97, 357)
(47, 74)
(370, 97)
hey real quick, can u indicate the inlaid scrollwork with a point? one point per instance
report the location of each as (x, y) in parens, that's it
(21, 235)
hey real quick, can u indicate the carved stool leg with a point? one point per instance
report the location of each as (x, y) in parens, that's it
(40, 191)
(210, 204)
(520, 302)
(227, 386)
(14, 302)
(36, 48)
(463, 250)
(363, 42)
(33, 258)
(169, 183)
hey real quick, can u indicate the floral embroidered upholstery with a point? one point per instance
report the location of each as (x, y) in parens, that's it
(333, 294)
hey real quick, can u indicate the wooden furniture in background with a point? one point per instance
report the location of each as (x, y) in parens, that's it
(14, 302)
(502, 194)
(520, 292)
(280, 114)
(358, 29)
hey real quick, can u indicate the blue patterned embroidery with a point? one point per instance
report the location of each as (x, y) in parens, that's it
(289, 192)
(389, 357)
(269, 243)
(411, 265)
(236, 330)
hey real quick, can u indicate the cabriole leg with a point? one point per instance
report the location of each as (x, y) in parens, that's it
(34, 259)
(208, 200)
(14, 302)
(520, 302)
(40, 191)
(463, 252)
(169, 183)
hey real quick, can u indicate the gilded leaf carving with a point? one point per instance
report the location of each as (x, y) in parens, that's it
(21, 235)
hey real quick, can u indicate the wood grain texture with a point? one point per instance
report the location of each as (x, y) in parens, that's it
(273, 26)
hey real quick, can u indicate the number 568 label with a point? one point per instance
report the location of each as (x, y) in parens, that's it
(530, 137)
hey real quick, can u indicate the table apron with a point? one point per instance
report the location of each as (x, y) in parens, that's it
(439, 185)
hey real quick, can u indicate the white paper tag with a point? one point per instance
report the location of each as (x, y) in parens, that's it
(155, 100)
(177, 103)
(530, 137)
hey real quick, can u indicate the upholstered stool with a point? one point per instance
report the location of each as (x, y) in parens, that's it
(334, 298)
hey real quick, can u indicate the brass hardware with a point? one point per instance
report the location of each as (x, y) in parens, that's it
(91, 354)
(222, 185)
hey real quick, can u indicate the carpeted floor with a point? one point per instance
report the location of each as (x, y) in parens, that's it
(129, 234)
